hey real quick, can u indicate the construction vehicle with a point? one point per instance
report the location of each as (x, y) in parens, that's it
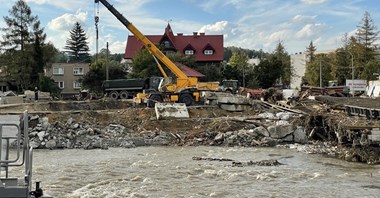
(129, 88)
(183, 89)
(230, 86)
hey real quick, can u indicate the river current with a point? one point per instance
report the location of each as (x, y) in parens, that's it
(171, 172)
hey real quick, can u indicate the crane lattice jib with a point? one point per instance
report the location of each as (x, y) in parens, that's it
(145, 41)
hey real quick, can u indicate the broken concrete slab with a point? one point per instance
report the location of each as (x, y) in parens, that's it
(280, 131)
(228, 101)
(234, 107)
(171, 110)
(300, 135)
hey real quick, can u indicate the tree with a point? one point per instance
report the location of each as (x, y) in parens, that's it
(267, 72)
(144, 65)
(310, 52)
(42, 53)
(212, 72)
(286, 68)
(25, 54)
(321, 68)
(94, 78)
(77, 44)
(371, 69)
(17, 33)
(239, 63)
(47, 84)
(367, 35)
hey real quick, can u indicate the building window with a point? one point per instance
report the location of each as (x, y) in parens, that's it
(169, 52)
(209, 52)
(189, 52)
(78, 71)
(61, 84)
(58, 71)
(167, 44)
(77, 85)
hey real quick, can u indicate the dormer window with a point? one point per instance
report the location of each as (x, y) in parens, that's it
(189, 52)
(167, 44)
(208, 52)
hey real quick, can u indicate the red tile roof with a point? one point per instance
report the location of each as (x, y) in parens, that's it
(196, 42)
(189, 71)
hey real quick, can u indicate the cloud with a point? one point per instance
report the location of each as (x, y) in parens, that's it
(230, 31)
(117, 46)
(280, 35)
(310, 30)
(65, 4)
(66, 21)
(303, 19)
(314, 1)
(219, 26)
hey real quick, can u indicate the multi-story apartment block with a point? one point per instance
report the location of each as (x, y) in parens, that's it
(298, 62)
(67, 76)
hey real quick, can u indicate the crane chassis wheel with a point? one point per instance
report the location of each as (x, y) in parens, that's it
(187, 99)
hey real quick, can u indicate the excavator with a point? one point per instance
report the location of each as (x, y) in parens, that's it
(184, 89)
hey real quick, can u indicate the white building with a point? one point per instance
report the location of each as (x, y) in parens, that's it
(254, 61)
(298, 63)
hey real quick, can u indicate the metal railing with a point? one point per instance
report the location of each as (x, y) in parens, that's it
(24, 153)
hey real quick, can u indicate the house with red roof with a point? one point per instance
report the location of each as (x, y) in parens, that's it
(206, 49)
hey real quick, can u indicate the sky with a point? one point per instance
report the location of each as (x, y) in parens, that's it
(249, 24)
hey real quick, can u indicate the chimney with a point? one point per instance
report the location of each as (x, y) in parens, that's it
(179, 34)
(195, 33)
(202, 33)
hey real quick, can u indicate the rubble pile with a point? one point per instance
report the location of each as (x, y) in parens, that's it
(237, 131)
(322, 127)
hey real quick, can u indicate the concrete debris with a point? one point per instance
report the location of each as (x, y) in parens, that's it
(228, 101)
(74, 134)
(258, 163)
(241, 164)
(170, 110)
(100, 125)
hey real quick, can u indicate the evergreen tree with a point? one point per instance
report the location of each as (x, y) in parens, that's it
(38, 57)
(321, 68)
(286, 68)
(310, 52)
(367, 36)
(23, 42)
(77, 44)
(267, 72)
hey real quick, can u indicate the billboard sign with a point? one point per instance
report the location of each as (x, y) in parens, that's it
(356, 85)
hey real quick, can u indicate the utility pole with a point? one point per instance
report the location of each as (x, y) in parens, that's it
(352, 74)
(107, 74)
(320, 73)
(97, 35)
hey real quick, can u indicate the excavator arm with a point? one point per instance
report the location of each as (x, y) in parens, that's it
(149, 45)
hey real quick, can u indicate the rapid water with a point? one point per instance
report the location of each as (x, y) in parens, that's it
(171, 172)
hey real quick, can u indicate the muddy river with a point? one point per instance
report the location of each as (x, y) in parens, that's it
(171, 172)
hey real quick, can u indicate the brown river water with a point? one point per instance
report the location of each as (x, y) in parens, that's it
(171, 172)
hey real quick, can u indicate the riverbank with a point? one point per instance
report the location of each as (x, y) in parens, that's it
(101, 125)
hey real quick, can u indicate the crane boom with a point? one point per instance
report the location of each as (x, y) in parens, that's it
(146, 42)
(185, 90)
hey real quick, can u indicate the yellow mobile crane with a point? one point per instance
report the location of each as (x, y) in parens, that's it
(185, 89)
